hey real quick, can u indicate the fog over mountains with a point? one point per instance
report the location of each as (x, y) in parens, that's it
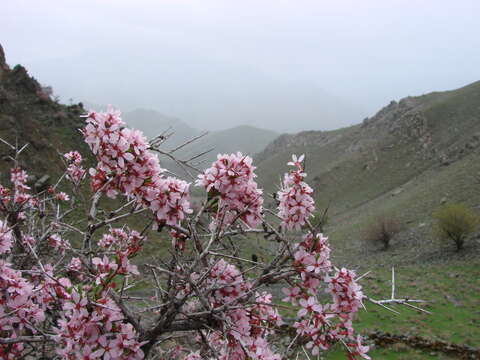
(215, 64)
(205, 94)
(247, 139)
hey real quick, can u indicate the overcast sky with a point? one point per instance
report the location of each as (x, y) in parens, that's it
(366, 52)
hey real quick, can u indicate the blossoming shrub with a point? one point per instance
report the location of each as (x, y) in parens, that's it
(204, 301)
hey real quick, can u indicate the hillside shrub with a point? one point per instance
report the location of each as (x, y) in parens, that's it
(455, 222)
(381, 231)
(202, 300)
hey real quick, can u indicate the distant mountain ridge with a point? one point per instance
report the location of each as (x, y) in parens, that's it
(244, 138)
(153, 123)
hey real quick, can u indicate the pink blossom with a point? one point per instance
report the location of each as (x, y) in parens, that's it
(58, 243)
(308, 306)
(75, 264)
(5, 238)
(231, 178)
(317, 344)
(28, 240)
(296, 204)
(346, 293)
(104, 265)
(357, 348)
(292, 294)
(18, 177)
(126, 166)
(73, 157)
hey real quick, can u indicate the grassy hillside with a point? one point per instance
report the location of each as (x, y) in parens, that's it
(354, 165)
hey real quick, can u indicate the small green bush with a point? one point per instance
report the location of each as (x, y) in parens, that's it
(381, 231)
(455, 222)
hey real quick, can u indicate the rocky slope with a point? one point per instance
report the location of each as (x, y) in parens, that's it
(354, 165)
(29, 115)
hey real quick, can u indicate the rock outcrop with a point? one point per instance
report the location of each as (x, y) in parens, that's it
(3, 62)
(29, 115)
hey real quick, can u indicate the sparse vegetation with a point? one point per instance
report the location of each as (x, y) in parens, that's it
(381, 231)
(455, 222)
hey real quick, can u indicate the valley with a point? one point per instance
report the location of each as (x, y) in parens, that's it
(409, 159)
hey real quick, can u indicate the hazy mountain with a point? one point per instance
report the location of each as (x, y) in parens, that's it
(154, 123)
(247, 139)
(206, 94)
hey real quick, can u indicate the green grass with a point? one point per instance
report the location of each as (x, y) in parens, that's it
(396, 352)
(451, 292)
(451, 295)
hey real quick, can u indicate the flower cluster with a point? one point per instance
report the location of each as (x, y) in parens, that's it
(18, 199)
(312, 255)
(75, 171)
(24, 303)
(126, 165)
(346, 293)
(324, 324)
(18, 309)
(296, 204)
(123, 240)
(5, 238)
(18, 177)
(231, 179)
(247, 328)
(95, 330)
(311, 262)
(87, 329)
(125, 243)
(92, 326)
